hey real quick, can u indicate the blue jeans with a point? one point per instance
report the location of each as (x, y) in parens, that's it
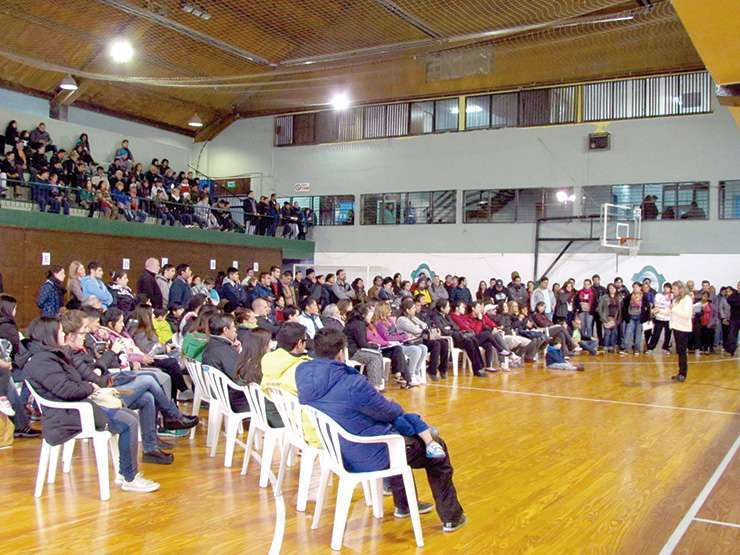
(610, 337)
(20, 420)
(146, 395)
(633, 334)
(587, 325)
(125, 423)
(589, 345)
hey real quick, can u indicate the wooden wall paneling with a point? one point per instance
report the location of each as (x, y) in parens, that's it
(23, 274)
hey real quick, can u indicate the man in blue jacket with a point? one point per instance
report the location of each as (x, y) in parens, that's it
(232, 290)
(93, 286)
(180, 292)
(339, 391)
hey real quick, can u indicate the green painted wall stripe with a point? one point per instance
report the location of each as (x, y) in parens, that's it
(293, 249)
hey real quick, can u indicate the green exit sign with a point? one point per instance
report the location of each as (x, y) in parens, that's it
(231, 184)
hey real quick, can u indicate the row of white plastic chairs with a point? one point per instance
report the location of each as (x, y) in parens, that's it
(213, 386)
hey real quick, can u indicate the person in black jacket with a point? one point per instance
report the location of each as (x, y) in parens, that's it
(232, 290)
(123, 297)
(222, 353)
(147, 283)
(54, 377)
(730, 342)
(356, 332)
(462, 340)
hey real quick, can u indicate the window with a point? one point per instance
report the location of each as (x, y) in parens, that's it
(504, 110)
(658, 201)
(425, 207)
(446, 114)
(350, 125)
(397, 120)
(327, 210)
(283, 130)
(503, 205)
(422, 118)
(374, 122)
(729, 199)
(477, 112)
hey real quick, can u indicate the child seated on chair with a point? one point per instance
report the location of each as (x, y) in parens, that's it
(555, 358)
(409, 425)
(162, 326)
(590, 345)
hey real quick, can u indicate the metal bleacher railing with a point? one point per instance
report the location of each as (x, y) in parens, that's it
(42, 196)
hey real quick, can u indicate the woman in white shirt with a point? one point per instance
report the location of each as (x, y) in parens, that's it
(682, 311)
(661, 317)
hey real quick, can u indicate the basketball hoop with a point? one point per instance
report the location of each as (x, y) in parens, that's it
(630, 243)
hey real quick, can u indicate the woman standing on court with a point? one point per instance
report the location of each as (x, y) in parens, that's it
(682, 311)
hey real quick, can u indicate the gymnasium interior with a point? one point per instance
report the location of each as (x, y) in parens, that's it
(479, 259)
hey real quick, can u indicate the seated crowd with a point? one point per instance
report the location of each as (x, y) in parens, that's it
(127, 190)
(333, 340)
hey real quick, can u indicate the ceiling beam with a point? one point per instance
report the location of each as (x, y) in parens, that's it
(212, 129)
(391, 7)
(189, 32)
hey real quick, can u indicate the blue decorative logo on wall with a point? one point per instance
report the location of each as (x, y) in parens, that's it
(423, 267)
(650, 272)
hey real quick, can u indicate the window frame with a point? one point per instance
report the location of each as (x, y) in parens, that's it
(401, 198)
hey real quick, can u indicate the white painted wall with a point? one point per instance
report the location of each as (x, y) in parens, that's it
(105, 132)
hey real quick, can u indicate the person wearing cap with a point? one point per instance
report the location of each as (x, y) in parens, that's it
(499, 294)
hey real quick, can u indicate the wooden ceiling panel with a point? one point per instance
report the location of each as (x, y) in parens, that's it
(174, 46)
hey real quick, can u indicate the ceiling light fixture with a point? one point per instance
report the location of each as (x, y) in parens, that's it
(195, 121)
(68, 83)
(121, 51)
(586, 21)
(340, 101)
(195, 10)
(564, 197)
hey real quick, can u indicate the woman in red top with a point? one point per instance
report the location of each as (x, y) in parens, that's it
(586, 301)
(478, 323)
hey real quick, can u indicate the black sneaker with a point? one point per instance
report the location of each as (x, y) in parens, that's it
(481, 374)
(424, 508)
(26, 432)
(455, 524)
(434, 377)
(158, 457)
(183, 423)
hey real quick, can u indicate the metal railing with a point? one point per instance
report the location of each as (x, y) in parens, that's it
(73, 201)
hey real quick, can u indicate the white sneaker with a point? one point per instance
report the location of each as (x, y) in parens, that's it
(140, 484)
(119, 479)
(5, 407)
(415, 381)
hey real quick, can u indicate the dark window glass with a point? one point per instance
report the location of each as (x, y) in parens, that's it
(729, 199)
(422, 118)
(446, 114)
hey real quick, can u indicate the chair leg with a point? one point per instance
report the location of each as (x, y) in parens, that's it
(248, 448)
(376, 490)
(43, 466)
(284, 450)
(367, 493)
(267, 450)
(344, 498)
(320, 496)
(214, 416)
(100, 445)
(215, 431)
(408, 484)
(196, 409)
(291, 456)
(308, 456)
(232, 426)
(455, 362)
(53, 461)
(67, 452)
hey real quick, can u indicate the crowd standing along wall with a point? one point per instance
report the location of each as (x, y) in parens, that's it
(105, 132)
(685, 148)
(23, 245)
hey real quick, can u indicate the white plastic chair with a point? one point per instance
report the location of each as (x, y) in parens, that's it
(271, 436)
(290, 413)
(220, 385)
(330, 432)
(50, 453)
(201, 392)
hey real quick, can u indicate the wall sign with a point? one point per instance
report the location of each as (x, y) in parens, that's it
(126, 264)
(45, 258)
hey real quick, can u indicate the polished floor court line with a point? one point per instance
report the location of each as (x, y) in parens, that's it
(680, 530)
(538, 473)
(571, 398)
(717, 522)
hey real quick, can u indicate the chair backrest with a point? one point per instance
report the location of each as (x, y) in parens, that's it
(220, 384)
(87, 417)
(195, 370)
(329, 433)
(289, 409)
(256, 398)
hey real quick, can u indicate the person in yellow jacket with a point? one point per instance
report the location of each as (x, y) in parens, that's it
(278, 370)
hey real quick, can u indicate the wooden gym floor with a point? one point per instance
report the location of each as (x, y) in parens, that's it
(610, 460)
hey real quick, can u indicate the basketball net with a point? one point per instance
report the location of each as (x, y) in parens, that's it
(632, 243)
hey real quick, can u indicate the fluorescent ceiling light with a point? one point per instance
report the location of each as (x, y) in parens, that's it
(195, 121)
(68, 83)
(585, 21)
(340, 101)
(121, 51)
